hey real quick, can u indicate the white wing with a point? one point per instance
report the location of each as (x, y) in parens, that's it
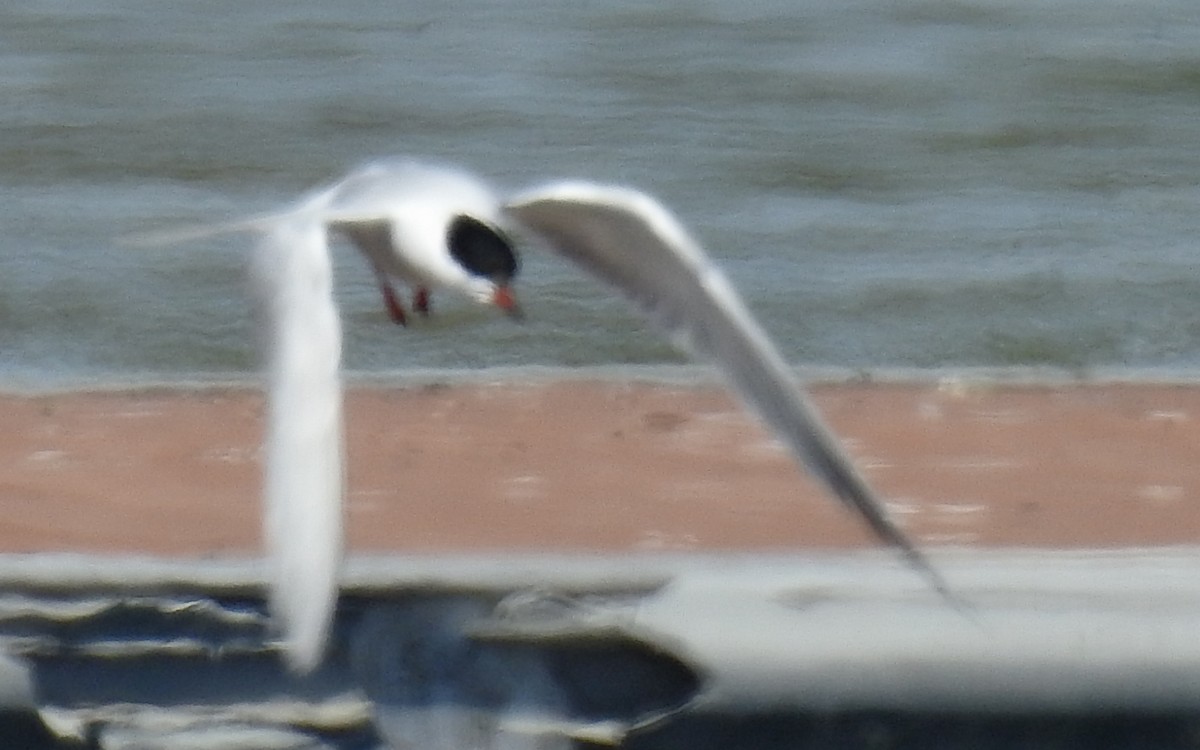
(629, 240)
(304, 451)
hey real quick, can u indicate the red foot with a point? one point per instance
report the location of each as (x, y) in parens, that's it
(421, 301)
(392, 301)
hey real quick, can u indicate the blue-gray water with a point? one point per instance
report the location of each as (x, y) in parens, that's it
(891, 184)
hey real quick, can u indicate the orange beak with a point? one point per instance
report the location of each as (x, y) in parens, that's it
(505, 300)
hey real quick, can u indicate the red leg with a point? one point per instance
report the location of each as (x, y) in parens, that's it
(421, 300)
(392, 301)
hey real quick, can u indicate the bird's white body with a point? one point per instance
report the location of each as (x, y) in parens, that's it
(621, 235)
(416, 202)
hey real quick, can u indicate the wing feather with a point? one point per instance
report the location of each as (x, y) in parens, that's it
(629, 240)
(304, 449)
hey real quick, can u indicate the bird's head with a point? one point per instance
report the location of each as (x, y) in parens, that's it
(488, 256)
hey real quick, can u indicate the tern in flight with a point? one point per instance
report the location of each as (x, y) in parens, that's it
(436, 227)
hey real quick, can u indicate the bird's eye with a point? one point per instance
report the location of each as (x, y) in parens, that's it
(481, 249)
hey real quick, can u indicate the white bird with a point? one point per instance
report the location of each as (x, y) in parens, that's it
(436, 226)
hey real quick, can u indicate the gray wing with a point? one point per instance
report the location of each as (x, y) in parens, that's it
(629, 240)
(304, 451)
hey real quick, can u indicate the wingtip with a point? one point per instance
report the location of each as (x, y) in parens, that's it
(922, 565)
(180, 234)
(302, 602)
(303, 650)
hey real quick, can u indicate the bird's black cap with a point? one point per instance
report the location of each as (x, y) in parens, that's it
(481, 249)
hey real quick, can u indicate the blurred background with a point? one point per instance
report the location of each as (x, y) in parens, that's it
(929, 183)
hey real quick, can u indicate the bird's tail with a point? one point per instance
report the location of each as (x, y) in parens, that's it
(178, 235)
